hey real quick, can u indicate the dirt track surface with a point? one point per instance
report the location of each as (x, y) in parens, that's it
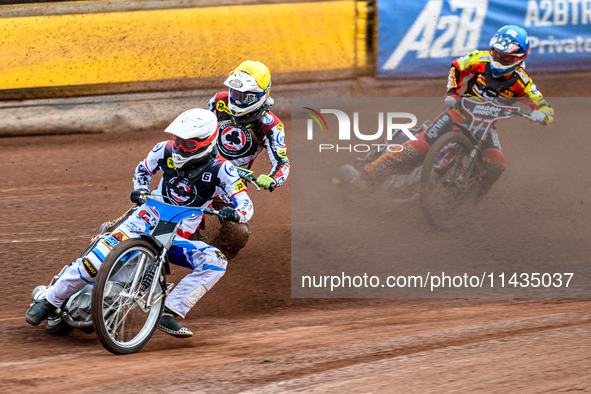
(250, 336)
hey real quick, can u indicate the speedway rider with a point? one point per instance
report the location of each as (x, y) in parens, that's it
(246, 127)
(495, 73)
(193, 174)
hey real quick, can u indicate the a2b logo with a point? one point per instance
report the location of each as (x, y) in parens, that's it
(433, 31)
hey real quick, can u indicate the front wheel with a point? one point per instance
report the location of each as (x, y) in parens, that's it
(448, 177)
(122, 320)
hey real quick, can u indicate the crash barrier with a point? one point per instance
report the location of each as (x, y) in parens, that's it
(81, 53)
(417, 39)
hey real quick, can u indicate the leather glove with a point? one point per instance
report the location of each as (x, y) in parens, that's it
(451, 101)
(538, 116)
(136, 194)
(229, 214)
(266, 182)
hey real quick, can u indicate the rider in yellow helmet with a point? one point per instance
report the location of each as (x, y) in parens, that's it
(246, 128)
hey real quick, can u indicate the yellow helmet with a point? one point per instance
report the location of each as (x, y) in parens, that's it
(250, 84)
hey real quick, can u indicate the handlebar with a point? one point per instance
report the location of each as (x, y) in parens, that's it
(526, 115)
(501, 101)
(175, 211)
(248, 176)
(144, 195)
(253, 180)
(211, 211)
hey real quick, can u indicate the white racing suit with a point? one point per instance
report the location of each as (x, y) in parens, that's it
(207, 263)
(241, 144)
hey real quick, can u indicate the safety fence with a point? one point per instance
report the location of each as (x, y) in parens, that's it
(99, 47)
(78, 52)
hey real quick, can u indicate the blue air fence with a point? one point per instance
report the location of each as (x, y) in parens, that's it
(423, 38)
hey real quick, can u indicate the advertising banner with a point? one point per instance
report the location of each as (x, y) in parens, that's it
(423, 38)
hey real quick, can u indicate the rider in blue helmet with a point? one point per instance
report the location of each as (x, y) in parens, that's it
(499, 72)
(508, 50)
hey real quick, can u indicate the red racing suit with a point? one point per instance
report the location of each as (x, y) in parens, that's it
(242, 144)
(481, 84)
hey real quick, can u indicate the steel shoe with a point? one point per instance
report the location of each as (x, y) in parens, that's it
(39, 311)
(350, 175)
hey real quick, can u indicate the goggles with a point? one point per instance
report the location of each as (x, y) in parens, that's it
(506, 59)
(192, 145)
(245, 98)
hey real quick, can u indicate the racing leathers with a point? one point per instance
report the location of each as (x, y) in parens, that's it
(197, 189)
(481, 84)
(241, 140)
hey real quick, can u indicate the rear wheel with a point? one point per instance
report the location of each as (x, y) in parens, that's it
(448, 181)
(122, 320)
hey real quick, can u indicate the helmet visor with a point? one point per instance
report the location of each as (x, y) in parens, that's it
(245, 98)
(506, 59)
(192, 145)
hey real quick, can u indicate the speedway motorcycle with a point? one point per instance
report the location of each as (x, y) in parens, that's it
(450, 174)
(125, 303)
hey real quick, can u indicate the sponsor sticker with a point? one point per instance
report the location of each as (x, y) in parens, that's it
(280, 138)
(236, 83)
(158, 146)
(231, 170)
(222, 107)
(170, 163)
(110, 241)
(220, 255)
(267, 119)
(89, 267)
(120, 235)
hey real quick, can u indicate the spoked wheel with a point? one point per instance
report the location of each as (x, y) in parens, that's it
(121, 319)
(448, 183)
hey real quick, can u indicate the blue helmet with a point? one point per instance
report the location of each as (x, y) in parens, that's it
(508, 49)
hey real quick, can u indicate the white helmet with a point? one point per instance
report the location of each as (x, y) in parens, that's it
(250, 84)
(195, 133)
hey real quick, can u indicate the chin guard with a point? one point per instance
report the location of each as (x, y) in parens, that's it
(246, 121)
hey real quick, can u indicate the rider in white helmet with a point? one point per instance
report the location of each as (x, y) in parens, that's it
(192, 175)
(246, 128)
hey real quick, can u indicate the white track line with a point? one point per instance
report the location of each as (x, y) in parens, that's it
(43, 360)
(16, 241)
